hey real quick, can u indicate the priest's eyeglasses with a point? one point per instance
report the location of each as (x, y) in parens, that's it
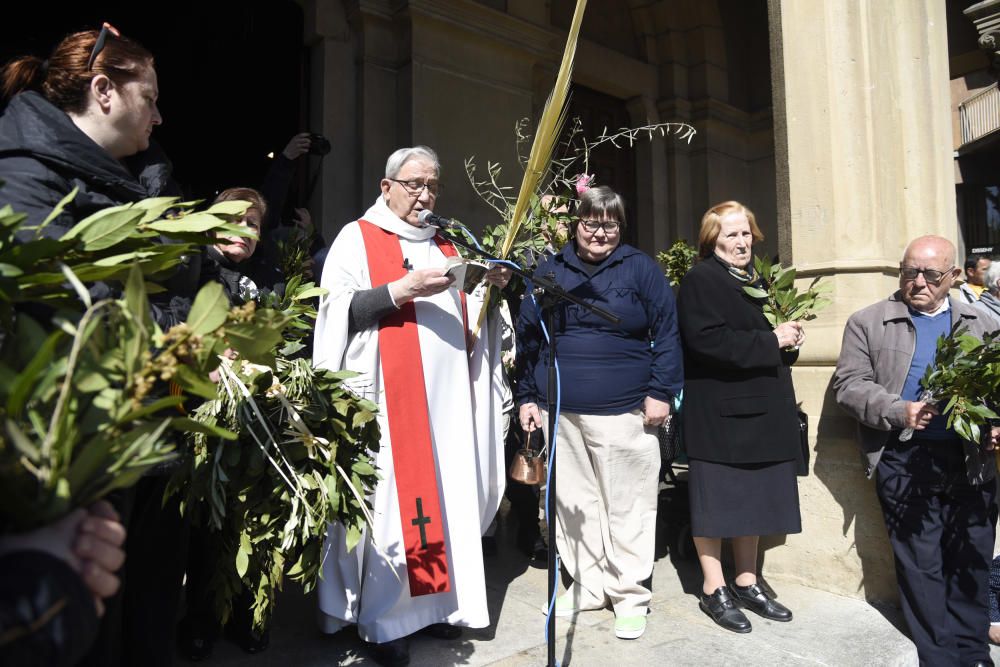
(414, 188)
(609, 226)
(932, 276)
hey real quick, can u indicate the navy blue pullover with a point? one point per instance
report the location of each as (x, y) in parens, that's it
(605, 369)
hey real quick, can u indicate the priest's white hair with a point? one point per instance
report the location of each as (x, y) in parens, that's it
(403, 155)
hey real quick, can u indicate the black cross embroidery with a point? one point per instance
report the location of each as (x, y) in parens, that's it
(421, 521)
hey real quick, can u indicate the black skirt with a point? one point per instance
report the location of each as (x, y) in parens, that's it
(735, 500)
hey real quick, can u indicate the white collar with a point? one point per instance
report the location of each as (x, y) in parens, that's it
(937, 311)
(380, 215)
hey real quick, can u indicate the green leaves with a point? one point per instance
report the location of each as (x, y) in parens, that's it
(106, 228)
(229, 208)
(154, 233)
(965, 378)
(782, 302)
(209, 310)
(677, 261)
(243, 555)
(303, 458)
(89, 397)
(80, 412)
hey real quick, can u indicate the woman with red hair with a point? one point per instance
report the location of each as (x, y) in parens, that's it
(80, 119)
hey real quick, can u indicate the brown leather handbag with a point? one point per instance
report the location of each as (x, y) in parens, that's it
(528, 466)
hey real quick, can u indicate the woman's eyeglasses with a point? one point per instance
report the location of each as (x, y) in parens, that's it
(414, 188)
(609, 226)
(932, 276)
(102, 40)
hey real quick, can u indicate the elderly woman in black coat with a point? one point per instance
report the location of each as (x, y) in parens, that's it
(741, 430)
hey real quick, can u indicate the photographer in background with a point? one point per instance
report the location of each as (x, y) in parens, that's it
(279, 175)
(275, 191)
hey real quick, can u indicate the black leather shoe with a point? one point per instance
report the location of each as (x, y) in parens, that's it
(540, 554)
(395, 653)
(441, 631)
(720, 608)
(756, 600)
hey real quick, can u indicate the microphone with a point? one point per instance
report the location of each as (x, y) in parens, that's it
(429, 218)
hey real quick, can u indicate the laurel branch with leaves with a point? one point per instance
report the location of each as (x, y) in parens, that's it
(677, 261)
(964, 381)
(782, 301)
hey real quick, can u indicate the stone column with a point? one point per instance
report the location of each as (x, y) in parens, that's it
(863, 139)
(651, 208)
(986, 17)
(333, 112)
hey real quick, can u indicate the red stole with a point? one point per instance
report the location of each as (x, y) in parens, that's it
(417, 486)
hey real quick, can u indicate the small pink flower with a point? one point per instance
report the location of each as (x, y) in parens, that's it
(583, 182)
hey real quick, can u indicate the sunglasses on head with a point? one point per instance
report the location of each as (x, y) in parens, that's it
(102, 40)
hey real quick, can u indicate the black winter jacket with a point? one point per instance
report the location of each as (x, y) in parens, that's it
(43, 156)
(739, 403)
(244, 281)
(47, 615)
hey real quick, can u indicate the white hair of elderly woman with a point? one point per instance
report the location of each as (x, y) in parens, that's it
(992, 277)
(403, 155)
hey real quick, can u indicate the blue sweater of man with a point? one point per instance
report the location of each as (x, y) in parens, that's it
(605, 369)
(929, 328)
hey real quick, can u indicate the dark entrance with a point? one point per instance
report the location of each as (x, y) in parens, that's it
(612, 166)
(230, 74)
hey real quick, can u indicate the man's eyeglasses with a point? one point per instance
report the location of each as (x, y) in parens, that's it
(102, 40)
(930, 275)
(416, 187)
(609, 226)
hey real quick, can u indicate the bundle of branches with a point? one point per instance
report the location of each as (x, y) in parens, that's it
(965, 381)
(84, 401)
(782, 300)
(303, 459)
(545, 214)
(155, 234)
(294, 256)
(677, 261)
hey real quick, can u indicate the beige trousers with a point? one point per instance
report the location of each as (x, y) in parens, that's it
(607, 469)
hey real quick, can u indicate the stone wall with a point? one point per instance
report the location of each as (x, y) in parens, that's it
(864, 165)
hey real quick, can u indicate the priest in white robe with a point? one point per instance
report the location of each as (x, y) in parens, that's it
(395, 318)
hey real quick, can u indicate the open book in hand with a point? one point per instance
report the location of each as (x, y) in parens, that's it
(467, 272)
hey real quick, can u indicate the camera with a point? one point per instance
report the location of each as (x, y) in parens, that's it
(318, 144)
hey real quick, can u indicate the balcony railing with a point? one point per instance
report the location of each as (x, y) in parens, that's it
(980, 114)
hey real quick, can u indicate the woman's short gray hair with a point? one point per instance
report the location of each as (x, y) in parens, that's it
(600, 203)
(403, 155)
(992, 276)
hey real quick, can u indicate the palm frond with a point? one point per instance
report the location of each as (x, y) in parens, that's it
(547, 133)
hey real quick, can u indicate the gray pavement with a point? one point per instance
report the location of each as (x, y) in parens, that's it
(827, 630)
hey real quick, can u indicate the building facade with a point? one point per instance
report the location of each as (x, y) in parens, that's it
(832, 119)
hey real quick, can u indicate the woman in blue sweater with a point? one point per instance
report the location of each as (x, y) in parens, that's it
(617, 382)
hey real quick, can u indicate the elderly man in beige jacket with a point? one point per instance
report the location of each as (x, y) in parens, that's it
(937, 491)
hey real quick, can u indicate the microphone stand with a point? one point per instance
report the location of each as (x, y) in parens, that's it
(549, 294)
